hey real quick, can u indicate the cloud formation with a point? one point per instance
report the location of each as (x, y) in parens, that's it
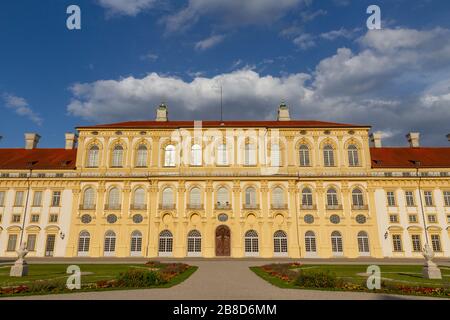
(209, 42)
(21, 107)
(126, 7)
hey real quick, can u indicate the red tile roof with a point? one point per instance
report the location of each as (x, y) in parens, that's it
(405, 157)
(229, 124)
(42, 159)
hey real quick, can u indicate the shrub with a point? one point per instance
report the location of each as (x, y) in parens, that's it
(317, 279)
(139, 278)
(41, 286)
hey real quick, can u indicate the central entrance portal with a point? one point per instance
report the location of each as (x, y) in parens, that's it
(223, 241)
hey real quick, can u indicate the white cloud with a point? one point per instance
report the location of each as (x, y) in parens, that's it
(304, 41)
(126, 7)
(149, 56)
(340, 33)
(21, 107)
(209, 42)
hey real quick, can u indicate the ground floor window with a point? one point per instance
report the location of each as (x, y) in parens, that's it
(12, 242)
(50, 245)
(136, 243)
(310, 242)
(416, 243)
(251, 243)
(31, 242)
(194, 243)
(165, 243)
(363, 243)
(110, 243)
(436, 243)
(336, 242)
(83, 243)
(280, 242)
(397, 243)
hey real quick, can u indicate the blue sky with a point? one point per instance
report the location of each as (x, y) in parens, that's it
(317, 55)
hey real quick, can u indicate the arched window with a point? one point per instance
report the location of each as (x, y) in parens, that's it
(336, 243)
(165, 243)
(275, 157)
(332, 199)
(222, 157)
(278, 198)
(136, 243)
(280, 243)
(83, 243)
(196, 155)
(110, 243)
(194, 243)
(169, 156)
(353, 157)
(250, 197)
(250, 154)
(310, 242)
(141, 156)
(307, 199)
(93, 157)
(167, 198)
(114, 199)
(223, 197)
(357, 198)
(89, 199)
(117, 157)
(251, 243)
(328, 156)
(363, 243)
(139, 199)
(304, 156)
(195, 198)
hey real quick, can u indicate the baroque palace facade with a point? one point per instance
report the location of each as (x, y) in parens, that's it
(283, 188)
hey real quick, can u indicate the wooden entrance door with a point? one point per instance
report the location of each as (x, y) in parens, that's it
(223, 243)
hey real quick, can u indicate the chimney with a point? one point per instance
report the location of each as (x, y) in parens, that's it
(448, 137)
(71, 140)
(413, 139)
(375, 139)
(162, 113)
(31, 140)
(283, 112)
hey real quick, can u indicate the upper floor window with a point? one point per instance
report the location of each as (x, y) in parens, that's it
(141, 156)
(357, 197)
(169, 156)
(117, 156)
(409, 198)
(56, 199)
(93, 157)
(250, 197)
(446, 198)
(18, 200)
(195, 198)
(275, 157)
(196, 155)
(222, 158)
(223, 197)
(332, 199)
(89, 198)
(167, 197)
(278, 197)
(307, 199)
(428, 198)
(139, 198)
(114, 198)
(353, 157)
(390, 198)
(37, 199)
(328, 156)
(2, 198)
(250, 154)
(304, 156)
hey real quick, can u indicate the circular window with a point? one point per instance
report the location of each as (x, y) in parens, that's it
(222, 217)
(335, 219)
(309, 218)
(85, 218)
(111, 218)
(361, 219)
(137, 218)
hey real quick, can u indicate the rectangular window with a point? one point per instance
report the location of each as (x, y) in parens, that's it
(37, 199)
(31, 242)
(18, 200)
(432, 218)
(397, 243)
(409, 199)
(304, 156)
(34, 218)
(446, 198)
(412, 218)
(448, 218)
(15, 218)
(12, 242)
(1, 216)
(2, 198)
(275, 157)
(393, 218)
(222, 155)
(56, 199)
(436, 242)
(391, 198)
(53, 218)
(416, 243)
(50, 245)
(250, 154)
(428, 198)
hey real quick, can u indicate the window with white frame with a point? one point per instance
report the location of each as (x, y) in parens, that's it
(393, 218)
(84, 240)
(196, 155)
(250, 154)
(223, 197)
(18, 200)
(332, 199)
(251, 242)
(167, 198)
(169, 156)
(278, 198)
(136, 243)
(12, 243)
(194, 242)
(428, 198)
(304, 156)
(409, 199)
(412, 218)
(416, 243)
(222, 155)
(93, 157)
(280, 242)
(328, 156)
(165, 242)
(446, 198)
(110, 243)
(195, 198)
(432, 218)
(310, 242)
(114, 199)
(250, 197)
(391, 198)
(336, 242)
(56, 199)
(275, 156)
(307, 198)
(357, 198)
(89, 198)
(353, 156)
(139, 199)
(34, 218)
(2, 198)
(117, 157)
(31, 242)
(363, 242)
(436, 242)
(141, 156)
(397, 243)
(37, 199)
